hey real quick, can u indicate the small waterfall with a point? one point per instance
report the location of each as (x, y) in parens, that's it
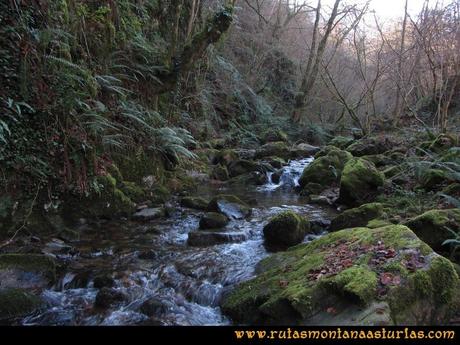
(290, 175)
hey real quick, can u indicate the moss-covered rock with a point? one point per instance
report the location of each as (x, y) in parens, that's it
(194, 202)
(359, 182)
(357, 217)
(213, 220)
(16, 303)
(341, 142)
(304, 150)
(370, 146)
(220, 173)
(278, 148)
(276, 162)
(229, 205)
(432, 226)
(274, 135)
(325, 170)
(243, 166)
(133, 191)
(339, 278)
(324, 151)
(256, 178)
(26, 271)
(225, 157)
(285, 230)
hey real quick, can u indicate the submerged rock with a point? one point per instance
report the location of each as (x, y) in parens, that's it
(356, 217)
(229, 205)
(359, 182)
(103, 280)
(26, 271)
(433, 226)
(106, 297)
(202, 238)
(213, 220)
(285, 229)
(360, 276)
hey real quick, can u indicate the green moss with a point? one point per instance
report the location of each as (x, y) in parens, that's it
(357, 281)
(42, 264)
(432, 226)
(220, 173)
(194, 202)
(274, 135)
(133, 191)
(452, 189)
(355, 217)
(16, 303)
(341, 142)
(432, 178)
(213, 220)
(360, 181)
(285, 229)
(443, 142)
(325, 170)
(278, 148)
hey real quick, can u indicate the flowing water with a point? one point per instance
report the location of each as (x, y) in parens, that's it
(152, 262)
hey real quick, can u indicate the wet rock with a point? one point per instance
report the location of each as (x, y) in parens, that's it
(26, 271)
(17, 303)
(355, 217)
(285, 229)
(319, 225)
(154, 307)
(148, 214)
(388, 277)
(108, 297)
(253, 178)
(432, 226)
(312, 189)
(56, 247)
(276, 162)
(276, 176)
(246, 153)
(229, 205)
(204, 238)
(242, 166)
(225, 157)
(148, 255)
(193, 202)
(213, 220)
(75, 281)
(371, 146)
(319, 200)
(359, 182)
(304, 150)
(325, 170)
(279, 149)
(103, 281)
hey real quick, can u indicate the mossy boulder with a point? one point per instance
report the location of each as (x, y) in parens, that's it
(359, 182)
(17, 303)
(213, 220)
(276, 162)
(432, 226)
(253, 178)
(341, 142)
(274, 135)
(220, 173)
(325, 170)
(26, 271)
(370, 146)
(357, 217)
(278, 148)
(343, 276)
(243, 166)
(304, 150)
(229, 205)
(324, 151)
(285, 230)
(225, 157)
(194, 202)
(433, 178)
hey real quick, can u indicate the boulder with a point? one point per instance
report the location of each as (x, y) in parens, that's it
(229, 205)
(285, 230)
(203, 238)
(194, 202)
(26, 271)
(359, 182)
(325, 170)
(357, 217)
(360, 276)
(213, 220)
(107, 297)
(148, 214)
(304, 150)
(276, 162)
(370, 146)
(253, 178)
(154, 306)
(225, 157)
(274, 135)
(243, 166)
(341, 142)
(432, 226)
(17, 303)
(278, 148)
(103, 280)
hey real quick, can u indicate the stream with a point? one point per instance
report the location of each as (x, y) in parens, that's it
(153, 262)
